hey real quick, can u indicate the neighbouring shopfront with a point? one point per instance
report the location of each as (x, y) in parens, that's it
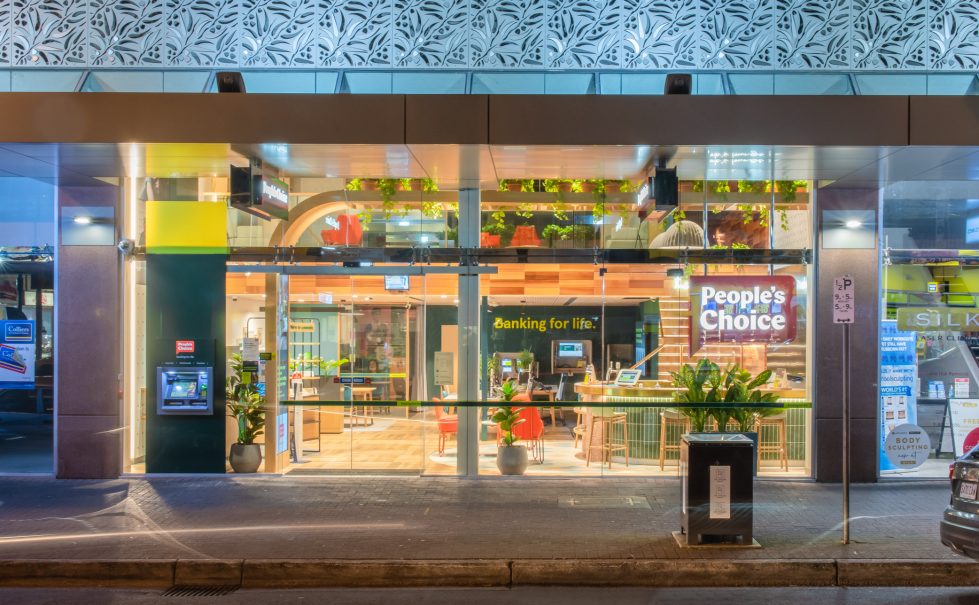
(929, 381)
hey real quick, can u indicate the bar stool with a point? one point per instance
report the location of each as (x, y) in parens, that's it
(670, 417)
(578, 432)
(607, 445)
(781, 446)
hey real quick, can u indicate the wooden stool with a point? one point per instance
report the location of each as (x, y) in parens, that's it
(781, 446)
(578, 432)
(607, 446)
(667, 418)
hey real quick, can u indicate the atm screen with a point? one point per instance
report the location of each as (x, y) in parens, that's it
(183, 389)
(507, 365)
(571, 349)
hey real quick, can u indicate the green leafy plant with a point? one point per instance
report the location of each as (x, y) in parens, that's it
(432, 209)
(707, 383)
(525, 359)
(355, 185)
(507, 416)
(789, 188)
(429, 186)
(526, 185)
(387, 188)
(700, 385)
(525, 210)
(558, 232)
(244, 403)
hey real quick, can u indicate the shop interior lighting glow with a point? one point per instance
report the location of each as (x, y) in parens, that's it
(853, 224)
(83, 220)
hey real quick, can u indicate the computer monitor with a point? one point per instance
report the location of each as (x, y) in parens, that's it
(570, 356)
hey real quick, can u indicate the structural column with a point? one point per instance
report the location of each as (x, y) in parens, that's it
(88, 421)
(854, 251)
(467, 463)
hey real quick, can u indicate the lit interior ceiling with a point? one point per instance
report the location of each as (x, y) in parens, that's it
(455, 166)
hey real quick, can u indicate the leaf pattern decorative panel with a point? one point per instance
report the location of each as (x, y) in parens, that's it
(48, 32)
(659, 34)
(584, 33)
(812, 35)
(126, 32)
(797, 35)
(431, 33)
(354, 33)
(506, 33)
(889, 34)
(736, 34)
(202, 33)
(278, 33)
(954, 35)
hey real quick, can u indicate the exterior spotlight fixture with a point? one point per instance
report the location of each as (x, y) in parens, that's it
(678, 84)
(674, 272)
(853, 224)
(82, 220)
(230, 81)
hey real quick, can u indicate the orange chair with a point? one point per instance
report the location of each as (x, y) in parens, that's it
(349, 232)
(525, 236)
(488, 240)
(448, 424)
(530, 430)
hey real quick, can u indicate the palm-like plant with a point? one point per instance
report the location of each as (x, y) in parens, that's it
(707, 383)
(507, 416)
(701, 385)
(244, 403)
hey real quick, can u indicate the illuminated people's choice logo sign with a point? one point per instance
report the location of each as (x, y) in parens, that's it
(742, 309)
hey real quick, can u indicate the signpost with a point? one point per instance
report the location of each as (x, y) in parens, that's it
(844, 312)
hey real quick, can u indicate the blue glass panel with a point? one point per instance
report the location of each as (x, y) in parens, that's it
(45, 81)
(185, 81)
(708, 84)
(296, 82)
(891, 84)
(429, 83)
(367, 82)
(326, 82)
(643, 84)
(26, 212)
(4, 80)
(610, 84)
(569, 84)
(123, 81)
(752, 84)
(953, 84)
(812, 84)
(508, 84)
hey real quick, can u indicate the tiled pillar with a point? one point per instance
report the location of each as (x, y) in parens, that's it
(88, 433)
(863, 265)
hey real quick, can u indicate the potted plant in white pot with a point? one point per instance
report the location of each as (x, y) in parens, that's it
(247, 407)
(511, 458)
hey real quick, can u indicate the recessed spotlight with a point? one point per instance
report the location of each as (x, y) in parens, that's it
(83, 220)
(853, 224)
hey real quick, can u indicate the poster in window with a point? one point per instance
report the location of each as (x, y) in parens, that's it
(17, 354)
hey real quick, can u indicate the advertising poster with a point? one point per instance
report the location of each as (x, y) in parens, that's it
(898, 375)
(965, 423)
(17, 344)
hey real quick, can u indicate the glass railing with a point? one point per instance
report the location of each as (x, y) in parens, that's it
(846, 83)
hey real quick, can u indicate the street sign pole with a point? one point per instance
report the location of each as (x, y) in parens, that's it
(844, 312)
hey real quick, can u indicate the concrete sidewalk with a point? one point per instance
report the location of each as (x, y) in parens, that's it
(366, 531)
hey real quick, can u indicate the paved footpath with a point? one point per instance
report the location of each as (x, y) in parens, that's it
(399, 519)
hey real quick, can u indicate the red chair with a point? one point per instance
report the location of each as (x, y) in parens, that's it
(348, 232)
(448, 424)
(530, 430)
(525, 236)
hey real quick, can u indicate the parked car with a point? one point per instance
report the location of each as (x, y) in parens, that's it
(960, 525)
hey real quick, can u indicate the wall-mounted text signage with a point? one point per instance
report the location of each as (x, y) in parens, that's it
(543, 324)
(302, 326)
(273, 197)
(938, 319)
(742, 309)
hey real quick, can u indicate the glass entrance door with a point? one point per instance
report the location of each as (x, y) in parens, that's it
(365, 349)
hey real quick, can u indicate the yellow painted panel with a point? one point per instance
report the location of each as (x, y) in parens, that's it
(186, 227)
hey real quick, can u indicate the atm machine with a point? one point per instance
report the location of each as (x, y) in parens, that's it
(184, 390)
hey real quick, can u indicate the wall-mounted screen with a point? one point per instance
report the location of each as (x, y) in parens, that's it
(571, 349)
(396, 282)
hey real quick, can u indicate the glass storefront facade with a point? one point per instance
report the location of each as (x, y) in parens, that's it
(385, 351)
(929, 313)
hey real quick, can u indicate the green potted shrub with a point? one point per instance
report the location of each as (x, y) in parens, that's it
(511, 458)
(247, 407)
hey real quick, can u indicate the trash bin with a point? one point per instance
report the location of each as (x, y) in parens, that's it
(716, 471)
